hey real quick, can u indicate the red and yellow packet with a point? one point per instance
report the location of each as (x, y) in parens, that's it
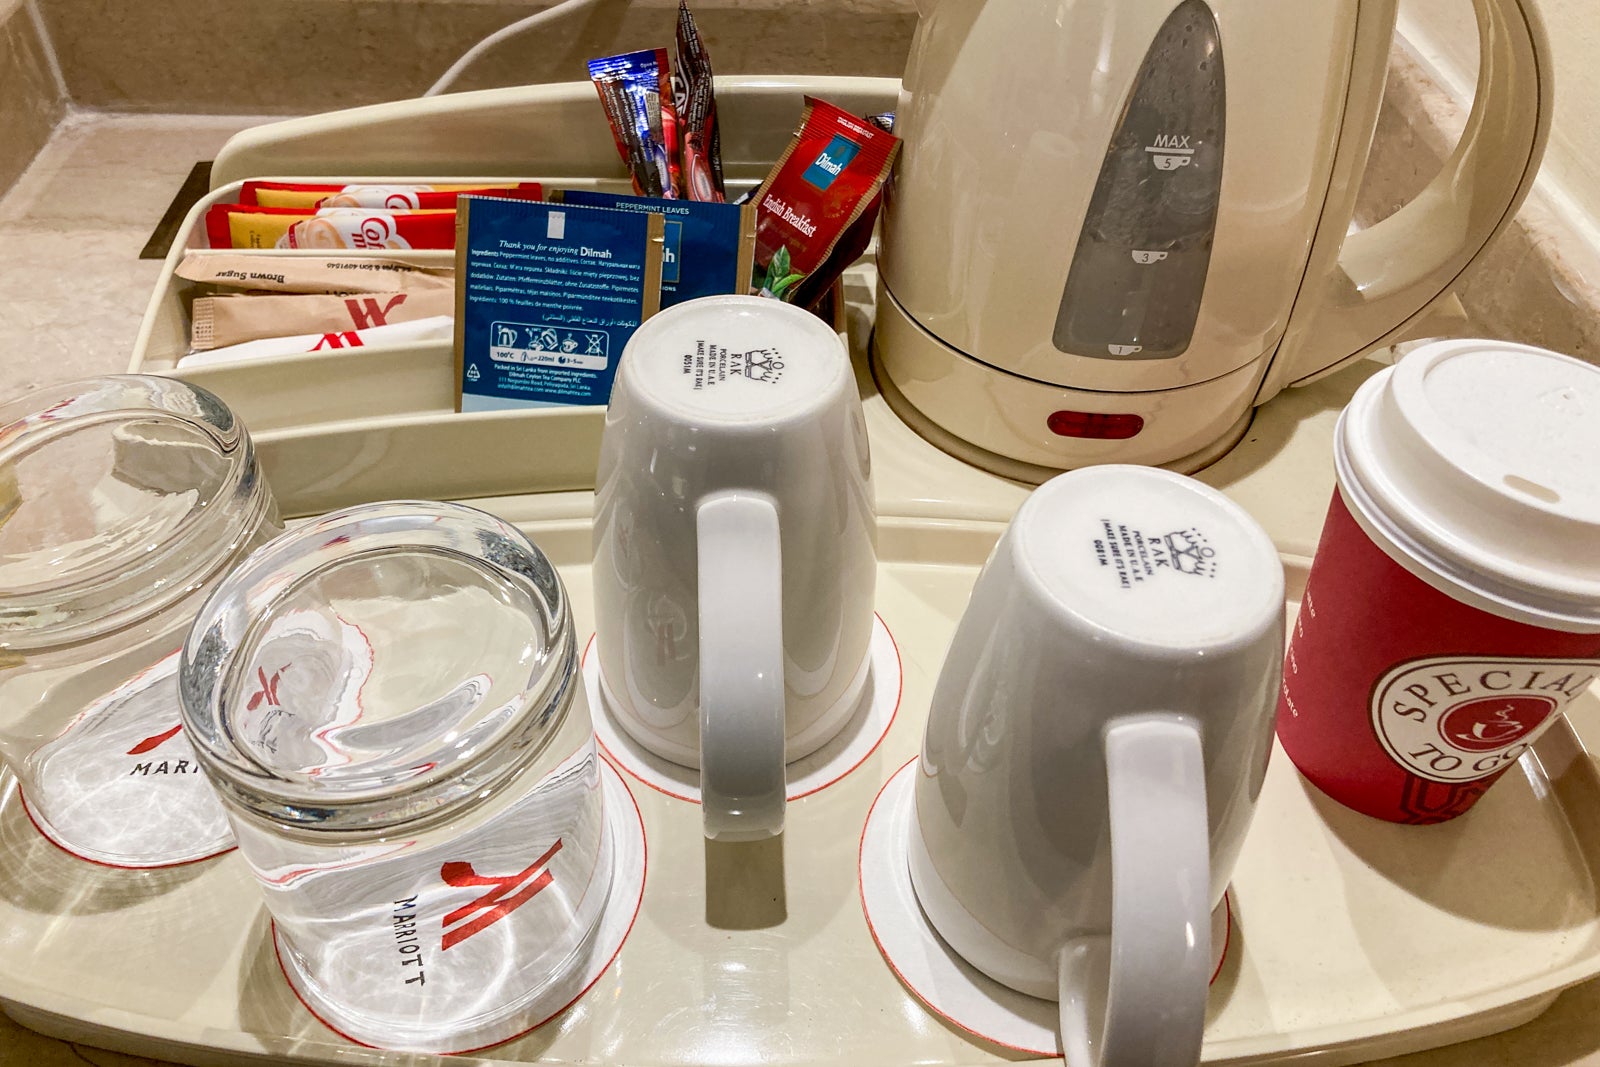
(332, 229)
(391, 196)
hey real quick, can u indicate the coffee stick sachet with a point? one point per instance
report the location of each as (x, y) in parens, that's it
(670, 124)
(631, 90)
(700, 143)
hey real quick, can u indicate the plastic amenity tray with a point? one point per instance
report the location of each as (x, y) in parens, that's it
(1353, 939)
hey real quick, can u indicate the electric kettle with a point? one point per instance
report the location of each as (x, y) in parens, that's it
(1119, 225)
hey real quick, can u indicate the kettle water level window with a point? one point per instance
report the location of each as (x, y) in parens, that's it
(1134, 288)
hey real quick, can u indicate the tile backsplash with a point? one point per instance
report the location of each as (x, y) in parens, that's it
(31, 102)
(299, 56)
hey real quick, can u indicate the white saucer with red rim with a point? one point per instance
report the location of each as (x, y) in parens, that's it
(121, 787)
(854, 742)
(946, 984)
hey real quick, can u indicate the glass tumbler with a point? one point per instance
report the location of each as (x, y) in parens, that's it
(123, 501)
(388, 702)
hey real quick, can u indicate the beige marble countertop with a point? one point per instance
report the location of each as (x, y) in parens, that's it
(72, 292)
(72, 285)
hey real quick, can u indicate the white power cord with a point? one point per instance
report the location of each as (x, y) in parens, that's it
(470, 56)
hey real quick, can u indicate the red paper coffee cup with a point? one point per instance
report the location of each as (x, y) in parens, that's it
(1453, 608)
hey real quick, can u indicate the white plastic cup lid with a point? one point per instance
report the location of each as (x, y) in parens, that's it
(1475, 462)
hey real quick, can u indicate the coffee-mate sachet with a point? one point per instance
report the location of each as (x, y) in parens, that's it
(814, 211)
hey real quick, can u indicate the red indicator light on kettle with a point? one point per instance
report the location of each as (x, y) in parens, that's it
(1094, 425)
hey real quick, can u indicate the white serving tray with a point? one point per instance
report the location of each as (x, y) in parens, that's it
(1353, 938)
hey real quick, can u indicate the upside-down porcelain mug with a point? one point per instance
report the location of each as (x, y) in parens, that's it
(735, 552)
(1096, 743)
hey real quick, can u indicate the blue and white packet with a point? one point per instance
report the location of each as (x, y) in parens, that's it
(708, 249)
(547, 295)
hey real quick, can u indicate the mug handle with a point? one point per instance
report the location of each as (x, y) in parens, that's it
(741, 666)
(1160, 955)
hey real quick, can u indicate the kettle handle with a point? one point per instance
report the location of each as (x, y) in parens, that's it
(1364, 288)
(1160, 951)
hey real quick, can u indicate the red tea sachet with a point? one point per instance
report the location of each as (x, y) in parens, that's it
(824, 187)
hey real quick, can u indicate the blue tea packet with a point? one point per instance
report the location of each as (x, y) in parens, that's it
(547, 295)
(708, 247)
